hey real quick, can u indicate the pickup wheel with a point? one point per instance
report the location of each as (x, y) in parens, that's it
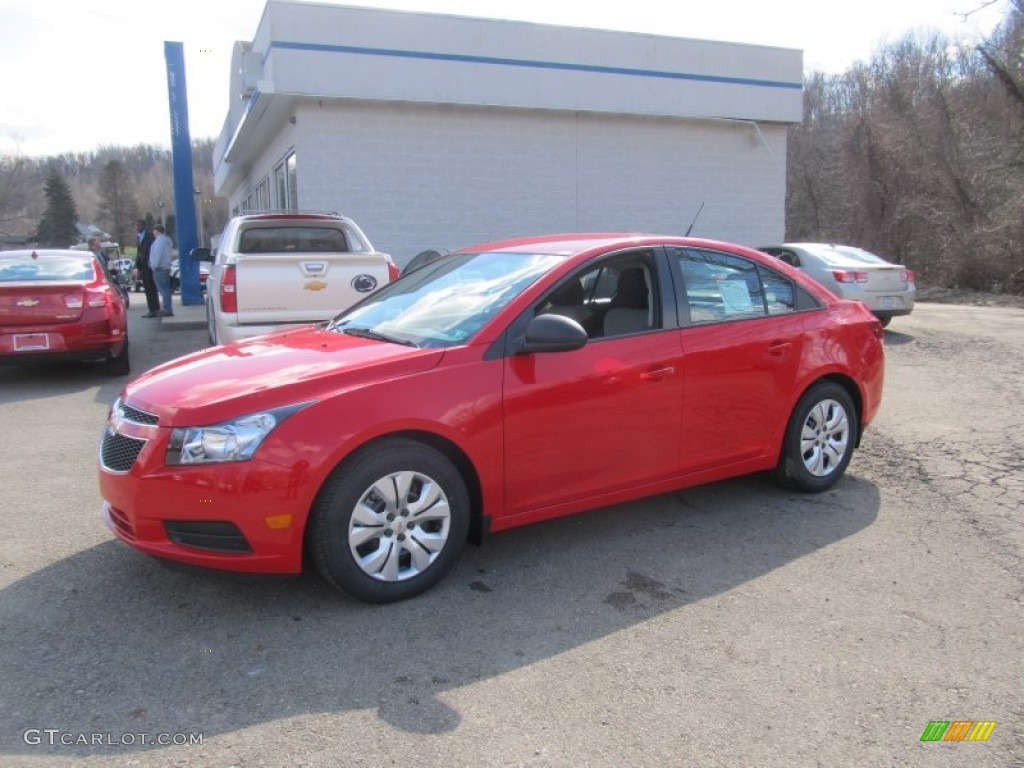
(211, 323)
(390, 522)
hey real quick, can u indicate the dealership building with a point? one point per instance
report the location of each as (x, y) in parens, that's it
(437, 131)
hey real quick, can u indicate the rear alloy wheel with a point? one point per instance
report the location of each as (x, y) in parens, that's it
(819, 441)
(390, 522)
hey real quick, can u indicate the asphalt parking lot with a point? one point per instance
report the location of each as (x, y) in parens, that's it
(731, 625)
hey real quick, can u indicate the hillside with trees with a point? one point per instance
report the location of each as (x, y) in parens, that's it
(918, 155)
(109, 188)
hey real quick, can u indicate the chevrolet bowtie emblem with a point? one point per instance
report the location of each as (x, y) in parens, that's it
(315, 285)
(27, 303)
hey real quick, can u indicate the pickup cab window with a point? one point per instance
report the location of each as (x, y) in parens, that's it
(293, 239)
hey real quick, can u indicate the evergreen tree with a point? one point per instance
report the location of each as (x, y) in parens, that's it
(57, 226)
(117, 200)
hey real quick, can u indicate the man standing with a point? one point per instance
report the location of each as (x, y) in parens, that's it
(144, 238)
(160, 258)
(97, 250)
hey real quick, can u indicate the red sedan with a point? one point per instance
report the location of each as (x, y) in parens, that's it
(60, 304)
(499, 385)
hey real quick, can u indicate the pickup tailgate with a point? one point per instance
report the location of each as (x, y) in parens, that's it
(292, 288)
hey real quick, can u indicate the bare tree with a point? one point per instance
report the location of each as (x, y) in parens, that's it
(117, 200)
(918, 155)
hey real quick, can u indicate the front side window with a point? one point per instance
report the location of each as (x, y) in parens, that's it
(614, 298)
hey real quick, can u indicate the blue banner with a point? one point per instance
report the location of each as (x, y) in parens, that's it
(181, 160)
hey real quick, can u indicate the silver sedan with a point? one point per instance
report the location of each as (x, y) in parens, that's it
(887, 289)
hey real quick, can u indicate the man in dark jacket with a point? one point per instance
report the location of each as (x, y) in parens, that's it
(144, 238)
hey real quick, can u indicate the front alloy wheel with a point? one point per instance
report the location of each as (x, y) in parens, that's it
(819, 440)
(400, 526)
(390, 522)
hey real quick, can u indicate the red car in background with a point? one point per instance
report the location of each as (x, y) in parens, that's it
(60, 304)
(496, 386)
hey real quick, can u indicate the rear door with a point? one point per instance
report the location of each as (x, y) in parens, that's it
(742, 342)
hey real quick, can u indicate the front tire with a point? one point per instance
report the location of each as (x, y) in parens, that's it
(390, 522)
(820, 439)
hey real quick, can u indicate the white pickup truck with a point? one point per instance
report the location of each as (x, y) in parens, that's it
(274, 269)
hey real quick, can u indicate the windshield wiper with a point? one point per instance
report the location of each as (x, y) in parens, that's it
(369, 333)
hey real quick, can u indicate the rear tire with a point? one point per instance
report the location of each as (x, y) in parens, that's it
(120, 364)
(390, 522)
(819, 440)
(211, 323)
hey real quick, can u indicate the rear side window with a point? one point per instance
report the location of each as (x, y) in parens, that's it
(292, 240)
(720, 287)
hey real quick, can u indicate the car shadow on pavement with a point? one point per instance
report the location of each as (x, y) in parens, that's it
(29, 381)
(895, 339)
(107, 641)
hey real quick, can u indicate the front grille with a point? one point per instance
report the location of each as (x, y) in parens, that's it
(128, 413)
(208, 535)
(121, 521)
(119, 452)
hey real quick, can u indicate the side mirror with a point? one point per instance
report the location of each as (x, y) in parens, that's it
(553, 333)
(200, 254)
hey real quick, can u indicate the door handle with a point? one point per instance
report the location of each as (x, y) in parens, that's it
(778, 348)
(657, 374)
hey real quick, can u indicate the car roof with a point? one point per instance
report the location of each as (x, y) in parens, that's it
(834, 253)
(578, 242)
(294, 216)
(44, 252)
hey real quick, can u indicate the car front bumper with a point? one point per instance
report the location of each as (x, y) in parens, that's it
(246, 517)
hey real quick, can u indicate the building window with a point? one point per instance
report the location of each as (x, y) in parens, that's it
(285, 183)
(293, 194)
(281, 187)
(263, 195)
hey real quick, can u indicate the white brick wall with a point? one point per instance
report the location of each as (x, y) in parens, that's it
(419, 176)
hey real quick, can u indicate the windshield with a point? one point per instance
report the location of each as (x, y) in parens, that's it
(444, 303)
(17, 267)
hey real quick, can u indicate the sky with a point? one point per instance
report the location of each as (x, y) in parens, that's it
(78, 75)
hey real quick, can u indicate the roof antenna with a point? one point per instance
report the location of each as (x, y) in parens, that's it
(690, 228)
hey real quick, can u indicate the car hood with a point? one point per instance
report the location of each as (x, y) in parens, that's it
(278, 369)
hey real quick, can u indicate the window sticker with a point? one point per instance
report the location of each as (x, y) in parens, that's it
(736, 297)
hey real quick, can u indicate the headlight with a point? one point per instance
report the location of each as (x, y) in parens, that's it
(235, 440)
